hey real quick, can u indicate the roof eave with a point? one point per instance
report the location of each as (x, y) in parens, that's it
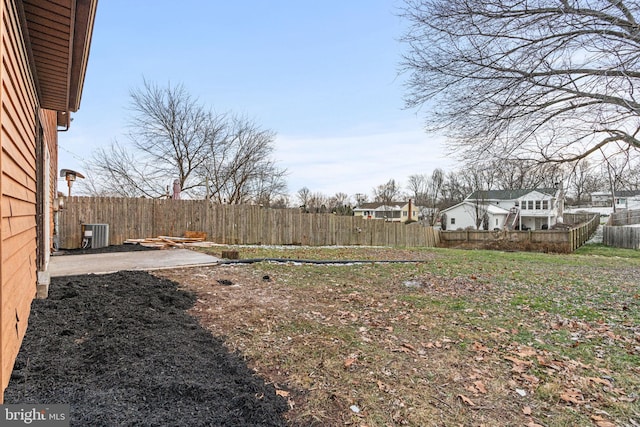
(58, 35)
(84, 20)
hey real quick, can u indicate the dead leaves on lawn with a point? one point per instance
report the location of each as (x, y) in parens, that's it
(535, 369)
(386, 347)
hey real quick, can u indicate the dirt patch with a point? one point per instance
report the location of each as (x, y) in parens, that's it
(121, 350)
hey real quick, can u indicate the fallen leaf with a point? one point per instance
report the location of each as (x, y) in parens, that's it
(519, 369)
(348, 362)
(618, 391)
(282, 393)
(601, 422)
(531, 378)
(409, 346)
(517, 361)
(526, 352)
(466, 400)
(553, 365)
(526, 410)
(572, 396)
(476, 346)
(599, 381)
(480, 386)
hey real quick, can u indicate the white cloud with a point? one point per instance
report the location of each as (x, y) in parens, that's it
(357, 163)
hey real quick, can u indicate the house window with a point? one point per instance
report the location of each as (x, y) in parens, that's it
(404, 213)
(537, 204)
(545, 204)
(496, 222)
(530, 203)
(453, 221)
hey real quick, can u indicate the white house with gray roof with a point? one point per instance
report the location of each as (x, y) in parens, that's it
(527, 209)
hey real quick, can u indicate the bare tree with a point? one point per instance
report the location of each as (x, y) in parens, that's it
(172, 131)
(219, 156)
(614, 169)
(304, 194)
(543, 80)
(417, 185)
(361, 198)
(583, 180)
(340, 204)
(280, 202)
(425, 191)
(480, 178)
(313, 202)
(631, 176)
(454, 189)
(526, 174)
(238, 168)
(386, 193)
(114, 171)
(318, 203)
(268, 187)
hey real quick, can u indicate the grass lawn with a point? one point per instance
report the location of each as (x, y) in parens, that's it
(454, 338)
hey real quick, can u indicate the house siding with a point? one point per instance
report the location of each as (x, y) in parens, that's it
(19, 118)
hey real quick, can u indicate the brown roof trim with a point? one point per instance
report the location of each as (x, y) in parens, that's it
(58, 38)
(84, 19)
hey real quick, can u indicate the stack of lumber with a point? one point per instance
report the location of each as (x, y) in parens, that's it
(164, 242)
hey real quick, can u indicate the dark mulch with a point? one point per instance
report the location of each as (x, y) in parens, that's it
(121, 350)
(106, 249)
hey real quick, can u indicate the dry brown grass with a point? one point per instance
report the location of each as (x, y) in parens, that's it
(449, 341)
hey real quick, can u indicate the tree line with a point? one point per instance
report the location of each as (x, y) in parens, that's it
(439, 189)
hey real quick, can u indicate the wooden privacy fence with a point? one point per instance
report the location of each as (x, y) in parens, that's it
(620, 232)
(130, 218)
(563, 241)
(624, 218)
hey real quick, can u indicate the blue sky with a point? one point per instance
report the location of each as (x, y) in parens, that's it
(322, 74)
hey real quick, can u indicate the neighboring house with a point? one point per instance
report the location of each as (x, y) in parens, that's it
(623, 199)
(45, 47)
(532, 209)
(464, 215)
(390, 211)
